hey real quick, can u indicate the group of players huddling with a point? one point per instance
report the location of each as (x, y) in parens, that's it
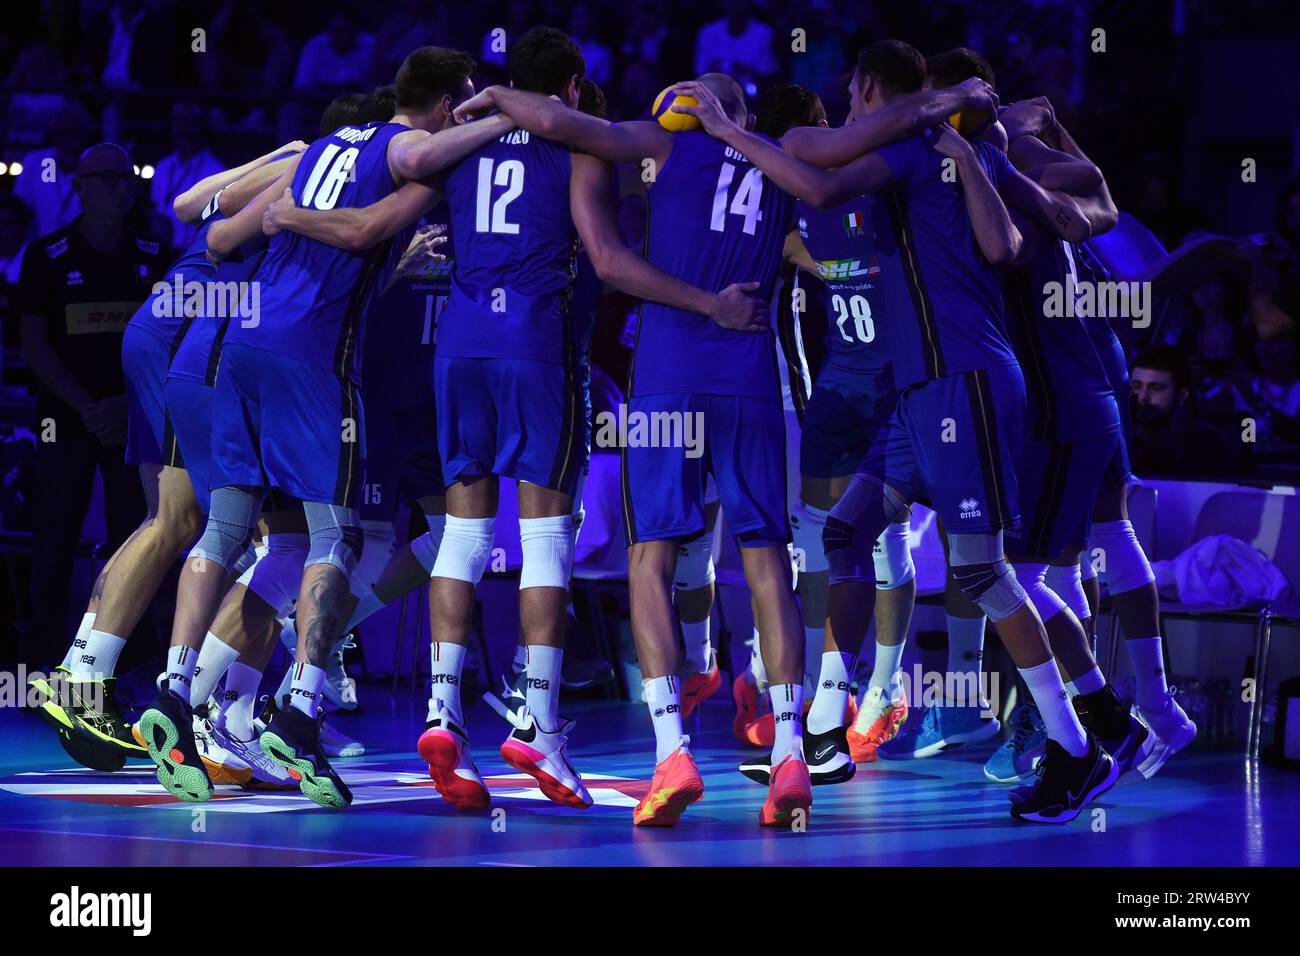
(944, 382)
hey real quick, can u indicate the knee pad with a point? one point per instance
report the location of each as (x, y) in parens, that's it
(807, 524)
(425, 548)
(465, 550)
(231, 516)
(981, 571)
(248, 558)
(1124, 563)
(334, 534)
(892, 555)
(1067, 581)
(853, 526)
(277, 573)
(547, 544)
(1033, 578)
(694, 563)
(378, 543)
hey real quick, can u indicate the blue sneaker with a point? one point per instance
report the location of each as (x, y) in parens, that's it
(938, 728)
(1016, 759)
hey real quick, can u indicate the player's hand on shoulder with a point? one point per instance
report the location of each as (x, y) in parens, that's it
(736, 309)
(297, 146)
(1028, 117)
(709, 110)
(948, 142)
(980, 94)
(484, 101)
(272, 221)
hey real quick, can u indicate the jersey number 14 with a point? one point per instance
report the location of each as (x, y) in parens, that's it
(747, 202)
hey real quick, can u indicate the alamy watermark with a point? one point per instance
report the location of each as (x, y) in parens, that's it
(624, 428)
(221, 300)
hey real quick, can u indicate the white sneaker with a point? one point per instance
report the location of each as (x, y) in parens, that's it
(1172, 729)
(340, 689)
(544, 757)
(222, 765)
(264, 773)
(445, 748)
(335, 743)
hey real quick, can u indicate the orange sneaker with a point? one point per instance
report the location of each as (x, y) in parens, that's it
(700, 687)
(790, 789)
(745, 696)
(877, 722)
(674, 787)
(762, 732)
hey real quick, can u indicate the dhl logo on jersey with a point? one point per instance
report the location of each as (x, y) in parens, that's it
(839, 270)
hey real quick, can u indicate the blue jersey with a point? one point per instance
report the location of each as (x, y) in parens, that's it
(944, 294)
(398, 360)
(714, 220)
(164, 312)
(196, 349)
(515, 243)
(842, 243)
(1068, 394)
(315, 297)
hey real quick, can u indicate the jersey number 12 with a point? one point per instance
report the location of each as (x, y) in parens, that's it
(491, 216)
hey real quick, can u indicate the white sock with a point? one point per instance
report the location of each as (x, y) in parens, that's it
(79, 642)
(285, 683)
(181, 661)
(663, 696)
(757, 670)
(1148, 671)
(814, 639)
(787, 712)
(367, 605)
(543, 691)
(828, 705)
(215, 658)
(887, 671)
(1044, 683)
(446, 662)
(238, 700)
(99, 656)
(305, 687)
(1088, 683)
(695, 638)
(965, 652)
(520, 662)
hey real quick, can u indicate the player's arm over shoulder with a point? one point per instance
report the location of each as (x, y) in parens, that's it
(416, 154)
(352, 228)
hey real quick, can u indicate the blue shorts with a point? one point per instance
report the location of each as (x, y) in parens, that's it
(1059, 483)
(739, 441)
(848, 411)
(145, 357)
(954, 444)
(515, 418)
(402, 463)
(187, 439)
(280, 423)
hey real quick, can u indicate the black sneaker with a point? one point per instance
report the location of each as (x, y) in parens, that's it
(1065, 784)
(85, 713)
(292, 739)
(1118, 730)
(167, 728)
(827, 756)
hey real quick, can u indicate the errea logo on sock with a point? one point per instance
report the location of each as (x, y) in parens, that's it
(76, 909)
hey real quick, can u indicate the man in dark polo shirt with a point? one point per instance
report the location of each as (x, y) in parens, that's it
(77, 288)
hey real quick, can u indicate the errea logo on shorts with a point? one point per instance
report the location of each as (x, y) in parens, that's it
(970, 508)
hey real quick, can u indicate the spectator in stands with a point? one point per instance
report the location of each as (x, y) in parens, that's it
(15, 220)
(600, 64)
(45, 184)
(29, 112)
(187, 163)
(1169, 439)
(338, 58)
(738, 44)
(147, 49)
